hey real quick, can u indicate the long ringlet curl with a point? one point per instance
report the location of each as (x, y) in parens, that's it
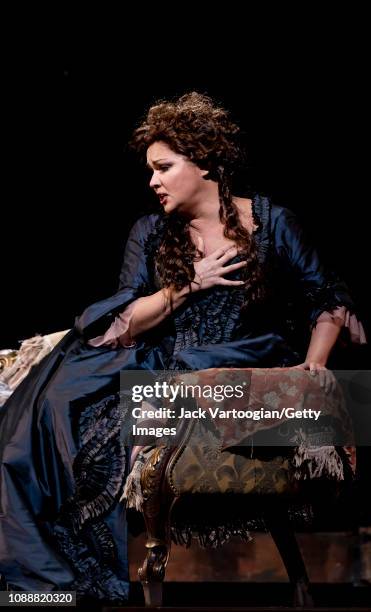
(194, 126)
(234, 230)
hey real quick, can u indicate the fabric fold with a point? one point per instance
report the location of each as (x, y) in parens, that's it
(342, 317)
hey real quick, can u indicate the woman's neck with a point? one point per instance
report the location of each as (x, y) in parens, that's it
(204, 210)
(207, 219)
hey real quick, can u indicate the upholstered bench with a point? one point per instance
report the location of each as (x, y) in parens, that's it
(222, 479)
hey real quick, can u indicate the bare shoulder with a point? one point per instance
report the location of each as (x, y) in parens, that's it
(244, 207)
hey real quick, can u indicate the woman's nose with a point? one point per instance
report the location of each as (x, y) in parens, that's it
(154, 182)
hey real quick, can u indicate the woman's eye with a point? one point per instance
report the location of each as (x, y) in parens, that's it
(164, 168)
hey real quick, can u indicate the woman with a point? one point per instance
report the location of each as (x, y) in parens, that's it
(243, 249)
(204, 283)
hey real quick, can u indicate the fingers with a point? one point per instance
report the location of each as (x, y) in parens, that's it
(232, 267)
(326, 378)
(224, 254)
(200, 244)
(230, 283)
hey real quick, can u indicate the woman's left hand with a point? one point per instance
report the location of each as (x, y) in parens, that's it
(326, 378)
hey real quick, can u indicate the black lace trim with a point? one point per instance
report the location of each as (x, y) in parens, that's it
(331, 295)
(261, 212)
(82, 534)
(213, 533)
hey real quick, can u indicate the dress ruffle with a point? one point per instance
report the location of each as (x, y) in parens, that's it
(342, 317)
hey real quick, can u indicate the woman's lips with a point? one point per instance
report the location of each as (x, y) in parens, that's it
(163, 199)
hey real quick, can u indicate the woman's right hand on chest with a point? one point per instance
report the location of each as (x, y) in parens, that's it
(211, 270)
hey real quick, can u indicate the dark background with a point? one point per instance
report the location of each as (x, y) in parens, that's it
(72, 191)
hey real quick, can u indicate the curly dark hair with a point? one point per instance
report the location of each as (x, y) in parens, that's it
(194, 126)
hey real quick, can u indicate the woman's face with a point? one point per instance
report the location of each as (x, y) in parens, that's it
(178, 182)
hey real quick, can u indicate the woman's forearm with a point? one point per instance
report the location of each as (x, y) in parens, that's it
(323, 338)
(151, 310)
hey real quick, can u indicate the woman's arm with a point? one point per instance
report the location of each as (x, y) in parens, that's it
(134, 283)
(151, 310)
(329, 304)
(145, 312)
(323, 339)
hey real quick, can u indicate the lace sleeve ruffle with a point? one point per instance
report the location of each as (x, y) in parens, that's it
(118, 332)
(348, 321)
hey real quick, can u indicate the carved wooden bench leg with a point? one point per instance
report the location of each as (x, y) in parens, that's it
(284, 538)
(152, 572)
(156, 512)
